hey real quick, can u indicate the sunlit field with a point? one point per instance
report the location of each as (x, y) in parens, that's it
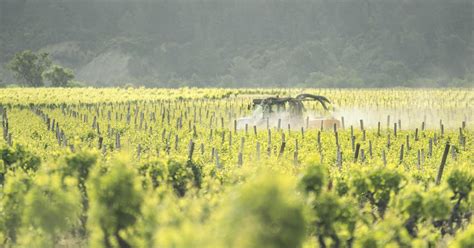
(137, 167)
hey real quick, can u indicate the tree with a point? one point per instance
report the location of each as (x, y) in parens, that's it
(59, 76)
(28, 67)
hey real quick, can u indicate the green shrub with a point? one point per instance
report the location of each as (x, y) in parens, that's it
(12, 203)
(263, 213)
(19, 157)
(183, 174)
(115, 200)
(52, 208)
(313, 179)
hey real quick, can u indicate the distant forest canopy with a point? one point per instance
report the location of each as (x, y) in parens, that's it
(247, 43)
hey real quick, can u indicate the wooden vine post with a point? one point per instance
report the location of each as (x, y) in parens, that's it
(443, 163)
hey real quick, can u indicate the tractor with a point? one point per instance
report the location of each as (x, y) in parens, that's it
(282, 112)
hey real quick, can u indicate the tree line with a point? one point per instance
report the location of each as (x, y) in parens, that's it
(235, 43)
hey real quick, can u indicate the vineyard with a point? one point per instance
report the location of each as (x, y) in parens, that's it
(171, 168)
